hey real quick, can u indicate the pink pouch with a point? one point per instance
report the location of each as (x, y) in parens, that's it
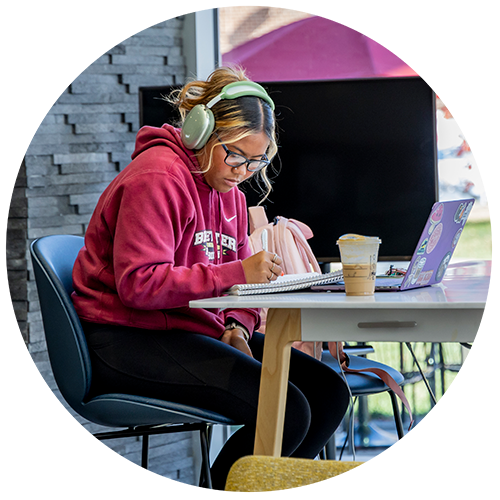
(288, 238)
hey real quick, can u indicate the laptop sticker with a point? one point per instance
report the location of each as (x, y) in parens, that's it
(462, 213)
(423, 246)
(443, 266)
(456, 237)
(434, 238)
(424, 277)
(436, 217)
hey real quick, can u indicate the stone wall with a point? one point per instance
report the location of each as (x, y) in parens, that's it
(17, 398)
(72, 112)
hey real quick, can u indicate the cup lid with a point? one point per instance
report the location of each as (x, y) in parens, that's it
(359, 238)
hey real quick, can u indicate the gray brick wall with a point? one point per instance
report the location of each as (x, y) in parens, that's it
(72, 79)
(17, 397)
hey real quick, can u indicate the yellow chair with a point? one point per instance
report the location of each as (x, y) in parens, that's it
(256, 474)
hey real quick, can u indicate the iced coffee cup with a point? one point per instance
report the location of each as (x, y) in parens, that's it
(359, 262)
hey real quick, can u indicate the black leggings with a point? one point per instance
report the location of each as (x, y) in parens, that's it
(197, 370)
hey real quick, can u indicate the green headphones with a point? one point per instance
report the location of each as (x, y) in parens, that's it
(200, 122)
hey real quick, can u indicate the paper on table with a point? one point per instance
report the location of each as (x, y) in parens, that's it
(286, 283)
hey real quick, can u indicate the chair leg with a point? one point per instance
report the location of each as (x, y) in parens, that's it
(422, 374)
(145, 431)
(397, 415)
(442, 369)
(331, 449)
(145, 451)
(205, 477)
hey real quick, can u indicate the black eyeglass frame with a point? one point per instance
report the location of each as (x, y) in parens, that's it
(264, 159)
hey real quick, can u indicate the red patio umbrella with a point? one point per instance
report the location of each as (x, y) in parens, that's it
(315, 48)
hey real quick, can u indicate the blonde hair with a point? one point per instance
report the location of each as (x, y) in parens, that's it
(234, 118)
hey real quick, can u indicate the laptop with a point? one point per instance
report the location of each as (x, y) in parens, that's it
(433, 252)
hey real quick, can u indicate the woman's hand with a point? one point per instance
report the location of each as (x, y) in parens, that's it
(236, 338)
(262, 267)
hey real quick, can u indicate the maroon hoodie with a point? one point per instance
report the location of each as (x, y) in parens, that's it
(149, 248)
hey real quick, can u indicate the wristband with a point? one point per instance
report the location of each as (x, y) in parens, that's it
(233, 325)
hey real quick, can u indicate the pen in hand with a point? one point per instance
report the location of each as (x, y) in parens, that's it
(263, 236)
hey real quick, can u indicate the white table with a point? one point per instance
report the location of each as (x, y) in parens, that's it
(448, 312)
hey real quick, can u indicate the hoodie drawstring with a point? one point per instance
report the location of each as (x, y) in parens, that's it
(213, 224)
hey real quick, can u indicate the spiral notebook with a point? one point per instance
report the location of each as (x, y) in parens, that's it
(287, 283)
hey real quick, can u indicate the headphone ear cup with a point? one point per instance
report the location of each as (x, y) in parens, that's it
(197, 127)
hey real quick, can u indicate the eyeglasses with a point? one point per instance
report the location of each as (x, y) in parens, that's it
(235, 160)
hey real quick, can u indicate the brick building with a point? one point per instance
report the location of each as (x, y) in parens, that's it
(241, 24)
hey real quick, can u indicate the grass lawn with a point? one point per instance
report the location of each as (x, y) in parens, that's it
(475, 242)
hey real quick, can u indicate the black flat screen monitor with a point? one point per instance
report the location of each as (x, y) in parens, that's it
(355, 156)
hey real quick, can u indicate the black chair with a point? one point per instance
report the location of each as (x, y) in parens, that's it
(366, 384)
(53, 258)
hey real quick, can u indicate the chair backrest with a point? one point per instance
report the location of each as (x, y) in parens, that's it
(53, 258)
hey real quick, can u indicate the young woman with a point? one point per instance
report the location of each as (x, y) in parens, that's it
(172, 227)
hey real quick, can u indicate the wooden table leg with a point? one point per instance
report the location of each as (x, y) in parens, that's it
(283, 327)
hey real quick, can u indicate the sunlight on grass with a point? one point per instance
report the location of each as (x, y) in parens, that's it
(475, 242)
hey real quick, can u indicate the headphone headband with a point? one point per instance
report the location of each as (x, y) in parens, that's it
(200, 122)
(240, 89)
